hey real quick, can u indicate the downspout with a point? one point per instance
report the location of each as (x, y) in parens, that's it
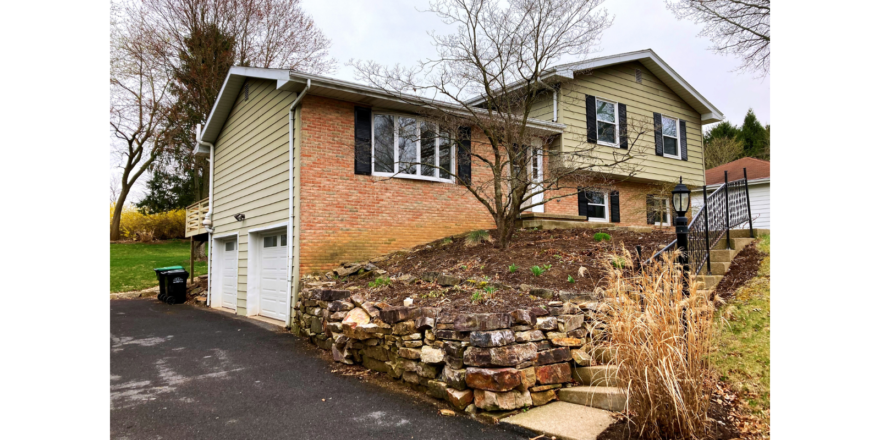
(208, 223)
(290, 152)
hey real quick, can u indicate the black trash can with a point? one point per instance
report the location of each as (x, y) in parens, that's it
(175, 286)
(160, 275)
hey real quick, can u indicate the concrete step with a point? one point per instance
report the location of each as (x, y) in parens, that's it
(708, 281)
(718, 268)
(607, 398)
(562, 420)
(736, 244)
(598, 376)
(722, 255)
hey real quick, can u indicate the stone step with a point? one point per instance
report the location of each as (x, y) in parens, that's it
(562, 420)
(598, 376)
(722, 255)
(607, 398)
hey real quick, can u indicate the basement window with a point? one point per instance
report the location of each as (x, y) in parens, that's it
(411, 148)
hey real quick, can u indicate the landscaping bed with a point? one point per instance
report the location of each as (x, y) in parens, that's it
(538, 267)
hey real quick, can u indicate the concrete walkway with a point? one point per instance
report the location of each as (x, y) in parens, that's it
(186, 372)
(563, 420)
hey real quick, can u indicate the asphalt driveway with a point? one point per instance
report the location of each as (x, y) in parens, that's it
(185, 372)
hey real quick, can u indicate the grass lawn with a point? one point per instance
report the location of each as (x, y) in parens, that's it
(131, 264)
(743, 358)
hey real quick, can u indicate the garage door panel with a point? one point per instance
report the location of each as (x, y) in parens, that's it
(273, 274)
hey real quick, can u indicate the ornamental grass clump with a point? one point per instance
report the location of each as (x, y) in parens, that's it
(476, 237)
(661, 339)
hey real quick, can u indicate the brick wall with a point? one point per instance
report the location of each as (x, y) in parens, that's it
(349, 217)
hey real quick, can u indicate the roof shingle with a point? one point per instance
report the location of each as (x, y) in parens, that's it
(756, 168)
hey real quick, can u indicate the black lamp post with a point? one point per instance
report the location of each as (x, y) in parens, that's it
(681, 202)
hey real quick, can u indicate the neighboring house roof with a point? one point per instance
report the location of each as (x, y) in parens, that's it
(708, 112)
(322, 86)
(756, 169)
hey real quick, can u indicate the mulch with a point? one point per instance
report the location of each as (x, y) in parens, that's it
(485, 268)
(743, 268)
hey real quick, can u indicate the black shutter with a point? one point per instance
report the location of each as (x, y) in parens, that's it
(615, 206)
(463, 156)
(582, 201)
(649, 208)
(592, 134)
(621, 114)
(658, 134)
(682, 134)
(363, 145)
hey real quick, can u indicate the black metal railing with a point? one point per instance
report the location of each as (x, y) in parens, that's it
(726, 208)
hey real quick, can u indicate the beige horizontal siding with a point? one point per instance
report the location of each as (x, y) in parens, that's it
(617, 83)
(251, 169)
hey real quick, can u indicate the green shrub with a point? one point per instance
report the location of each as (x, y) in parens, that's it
(476, 237)
(537, 271)
(512, 268)
(601, 236)
(446, 241)
(490, 290)
(379, 282)
(571, 279)
(477, 296)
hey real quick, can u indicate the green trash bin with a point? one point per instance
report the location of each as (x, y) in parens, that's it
(160, 274)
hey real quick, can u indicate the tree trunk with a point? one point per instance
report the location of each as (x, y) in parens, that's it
(117, 213)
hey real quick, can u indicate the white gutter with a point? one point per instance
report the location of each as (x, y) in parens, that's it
(208, 223)
(290, 121)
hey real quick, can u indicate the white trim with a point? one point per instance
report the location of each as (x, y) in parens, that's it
(255, 247)
(395, 145)
(616, 143)
(677, 138)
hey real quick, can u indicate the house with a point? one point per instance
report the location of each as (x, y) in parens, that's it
(758, 173)
(299, 180)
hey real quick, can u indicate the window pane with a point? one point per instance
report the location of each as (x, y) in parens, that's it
(605, 111)
(383, 143)
(445, 155)
(607, 132)
(283, 239)
(536, 165)
(429, 149)
(407, 143)
(270, 241)
(595, 197)
(670, 146)
(230, 245)
(669, 127)
(596, 211)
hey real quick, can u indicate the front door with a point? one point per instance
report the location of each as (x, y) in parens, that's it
(273, 274)
(228, 275)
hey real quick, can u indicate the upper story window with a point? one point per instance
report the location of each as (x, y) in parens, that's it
(671, 138)
(606, 122)
(406, 146)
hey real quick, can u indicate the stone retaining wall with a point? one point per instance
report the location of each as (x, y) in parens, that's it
(475, 361)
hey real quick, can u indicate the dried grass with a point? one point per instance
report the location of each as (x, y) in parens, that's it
(660, 338)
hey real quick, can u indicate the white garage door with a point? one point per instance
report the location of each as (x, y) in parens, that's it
(228, 278)
(273, 273)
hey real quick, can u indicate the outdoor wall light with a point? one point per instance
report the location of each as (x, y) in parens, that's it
(239, 217)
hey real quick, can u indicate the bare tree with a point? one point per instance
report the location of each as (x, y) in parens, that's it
(502, 53)
(722, 150)
(267, 33)
(737, 27)
(139, 105)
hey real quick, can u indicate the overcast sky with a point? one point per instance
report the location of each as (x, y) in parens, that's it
(391, 32)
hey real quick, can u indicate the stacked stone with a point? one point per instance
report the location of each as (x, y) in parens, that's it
(485, 361)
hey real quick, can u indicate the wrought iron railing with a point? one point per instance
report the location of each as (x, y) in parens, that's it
(726, 208)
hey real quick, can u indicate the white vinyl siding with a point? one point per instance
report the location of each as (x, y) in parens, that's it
(759, 197)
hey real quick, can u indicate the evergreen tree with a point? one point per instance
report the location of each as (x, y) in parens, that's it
(753, 136)
(724, 129)
(167, 192)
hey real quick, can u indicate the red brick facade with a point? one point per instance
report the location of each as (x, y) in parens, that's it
(350, 217)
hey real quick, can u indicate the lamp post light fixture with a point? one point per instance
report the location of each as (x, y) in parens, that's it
(681, 202)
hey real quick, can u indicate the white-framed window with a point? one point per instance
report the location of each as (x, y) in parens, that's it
(607, 123)
(409, 147)
(671, 136)
(270, 241)
(662, 211)
(597, 206)
(230, 246)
